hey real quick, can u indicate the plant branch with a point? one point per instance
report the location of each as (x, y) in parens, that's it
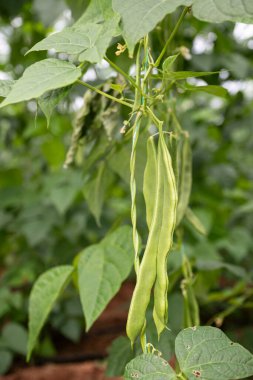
(180, 20)
(104, 94)
(122, 72)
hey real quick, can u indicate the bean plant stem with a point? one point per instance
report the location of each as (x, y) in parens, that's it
(136, 129)
(122, 72)
(105, 94)
(179, 22)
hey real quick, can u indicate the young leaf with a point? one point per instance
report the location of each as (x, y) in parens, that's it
(226, 10)
(178, 75)
(49, 101)
(207, 353)
(149, 367)
(101, 270)
(45, 292)
(168, 62)
(140, 17)
(5, 87)
(41, 77)
(210, 89)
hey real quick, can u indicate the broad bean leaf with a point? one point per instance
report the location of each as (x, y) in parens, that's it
(101, 269)
(209, 89)
(149, 367)
(45, 292)
(140, 17)
(41, 77)
(49, 101)
(5, 87)
(225, 10)
(89, 37)
(207, 353)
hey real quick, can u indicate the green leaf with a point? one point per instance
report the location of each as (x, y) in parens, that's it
(89, 37)
(168, 62)
(101, 270)
(94, 191)
(73, 40)
(44, 293)
(207, 353)
(140, 17)
(15, 338)
(6, 358)
(178, 75)
(5, 87)
(149, 367)
(210, 89)
(120, 353)
(49, 101)
(97, 12)
(225, 10)
(41, 77)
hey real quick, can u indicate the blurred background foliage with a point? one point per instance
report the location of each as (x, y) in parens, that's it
(48, 214)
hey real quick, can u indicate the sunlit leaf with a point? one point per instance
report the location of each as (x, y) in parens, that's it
(41, 77)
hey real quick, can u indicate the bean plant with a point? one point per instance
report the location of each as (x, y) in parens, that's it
(148, 96)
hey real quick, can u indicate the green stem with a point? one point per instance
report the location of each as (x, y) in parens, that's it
(104, 94)
(181, 376)
(155, 119)
(122, 72)
(137, 102)
(180, 20)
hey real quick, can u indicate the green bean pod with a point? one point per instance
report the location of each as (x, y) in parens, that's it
(150, 180)
(185, 178)
(147, 271)
(168, 222)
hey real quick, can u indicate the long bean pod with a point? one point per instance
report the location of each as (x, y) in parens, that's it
(147, 271)
(168, 222)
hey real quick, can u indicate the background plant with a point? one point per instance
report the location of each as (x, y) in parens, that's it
(217, 187)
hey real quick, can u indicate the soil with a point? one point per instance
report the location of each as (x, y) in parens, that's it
(82, 361)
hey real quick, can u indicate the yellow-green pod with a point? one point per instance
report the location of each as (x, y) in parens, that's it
(147, 271)
(168, 222)
(185, 178)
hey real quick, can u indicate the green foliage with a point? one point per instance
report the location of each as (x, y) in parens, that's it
(208, 352)
(202, 352)
(150, 367)
(46, 210)
(53, 73)
(101, 270)
(45, 292)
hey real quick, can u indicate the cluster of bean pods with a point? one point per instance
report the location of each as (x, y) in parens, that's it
(166, 190)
